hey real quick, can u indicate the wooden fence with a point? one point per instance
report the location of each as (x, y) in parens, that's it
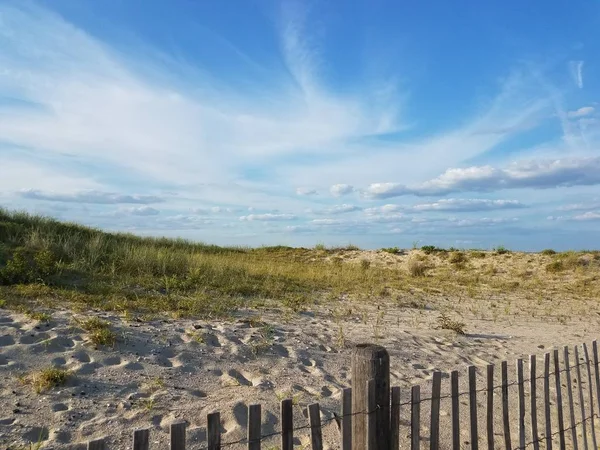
(555, 407)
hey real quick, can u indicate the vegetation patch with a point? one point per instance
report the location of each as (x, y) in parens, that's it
(46, 379)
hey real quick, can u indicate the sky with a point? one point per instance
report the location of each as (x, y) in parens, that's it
(375, 123)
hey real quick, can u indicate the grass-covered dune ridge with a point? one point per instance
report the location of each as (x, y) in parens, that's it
(46, 261)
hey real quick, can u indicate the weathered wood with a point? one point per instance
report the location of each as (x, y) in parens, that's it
(141, 439)
(254, 427)
(521, 390)
(559, 403)
(434, 429)
(213, 431)
(177, 432)
(287, 424)
(533, 401)
(395, 419)
(490, 406)
(505, 413)
(455, 410)
(581, 399)
(415, 418)
(596, 372)
(371, 415)
(314, 416)
(586, 357)
(473, 407)
(346, 419)
(547, 416)
(370, 362)
(97, 444)
(570, 399)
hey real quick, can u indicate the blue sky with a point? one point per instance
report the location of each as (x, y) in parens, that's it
(377, 123)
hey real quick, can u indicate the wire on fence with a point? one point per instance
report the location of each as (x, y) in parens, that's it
(337, 417)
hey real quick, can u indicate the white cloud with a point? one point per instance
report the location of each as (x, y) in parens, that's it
(338, 209)
(588, 216)
(576, 70)
(523, 174)
(305, 191)
(581, 206)
(89, 196)
(267, 217)
(467, 205)
(581, 112)
(139, 211)
(338, 190)
(385, 209)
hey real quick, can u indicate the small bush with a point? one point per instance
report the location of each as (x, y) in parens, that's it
(478, 254)
(446, 323)
(548, 252)
(320, 247)
(429, 249)
(417, 268)
(555, 266)
(392, 250)
(46, 379)
(501, 250)
(458, 258)
(99, 331)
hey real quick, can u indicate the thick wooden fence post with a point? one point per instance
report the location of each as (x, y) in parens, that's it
(370, 362)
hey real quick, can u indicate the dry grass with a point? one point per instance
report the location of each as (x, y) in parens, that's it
(98, 330)
(46, 379)
(45, 263)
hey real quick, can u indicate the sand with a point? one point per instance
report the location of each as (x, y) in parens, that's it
(160, 371)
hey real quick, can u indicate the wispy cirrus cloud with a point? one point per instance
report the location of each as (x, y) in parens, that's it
(89, 196)
(581, 112)
(576, 71)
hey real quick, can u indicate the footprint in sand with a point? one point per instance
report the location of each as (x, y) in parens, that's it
(57, 407)
(33, 338)
(235, 378)
(6, 340)
(59, 361)
(132, 365)
(81, 357)
(111, 361)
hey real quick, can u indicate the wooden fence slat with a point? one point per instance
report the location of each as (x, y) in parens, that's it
(559, 403)
(505, 413)
(521, 387)
(473, 407)
(97, 444)
(581, 399)
(596, 372)
(547, 416)
(533, 401)
(455, 410)
(314, 416)
(415, 417)
(141, 439)
(254, 427)
(570, 399)
(213, 431)
(177, 433)
(372, 414)
(490, 406)
(434, 432)
(346, 419)
(394, 420)
(586, 356)
(287, 424)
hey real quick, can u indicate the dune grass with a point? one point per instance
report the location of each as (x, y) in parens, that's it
(49, 262)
